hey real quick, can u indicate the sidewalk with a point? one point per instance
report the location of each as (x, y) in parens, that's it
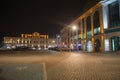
(117, 53)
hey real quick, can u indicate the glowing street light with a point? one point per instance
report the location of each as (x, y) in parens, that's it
(74, 28)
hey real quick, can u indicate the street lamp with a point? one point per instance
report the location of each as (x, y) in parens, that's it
(74, 28)
(76, 41)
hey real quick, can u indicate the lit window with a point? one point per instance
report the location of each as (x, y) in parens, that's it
(106, 45)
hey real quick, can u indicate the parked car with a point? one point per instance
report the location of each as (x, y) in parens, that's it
(22, 48)
(53, 48)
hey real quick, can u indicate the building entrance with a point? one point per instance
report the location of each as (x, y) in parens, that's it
(115, 43)
(89, 46)
(97, 45)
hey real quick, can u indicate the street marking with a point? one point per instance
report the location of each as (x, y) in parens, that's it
(21, 68)
(45, 72)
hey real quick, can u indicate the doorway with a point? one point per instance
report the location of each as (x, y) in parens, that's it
(115, 43)
(97, 45)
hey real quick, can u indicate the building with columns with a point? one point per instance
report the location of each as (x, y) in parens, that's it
(34, 40)
(97, 29)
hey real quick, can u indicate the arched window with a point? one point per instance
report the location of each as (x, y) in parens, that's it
(83, 28)
(36, 35)
(96, 20)
(79, 27)
(88, 26)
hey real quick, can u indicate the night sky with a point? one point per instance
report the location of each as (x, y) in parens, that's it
(45, 17)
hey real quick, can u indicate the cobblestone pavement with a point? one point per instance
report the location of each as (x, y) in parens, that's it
(86, 67)
(70, 65)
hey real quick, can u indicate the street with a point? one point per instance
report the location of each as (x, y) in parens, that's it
(61, 65)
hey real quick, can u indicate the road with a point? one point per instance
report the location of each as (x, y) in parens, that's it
(68, 65)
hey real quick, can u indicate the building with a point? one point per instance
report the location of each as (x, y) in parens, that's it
(97, 29)
(52, 42)
(34, 40)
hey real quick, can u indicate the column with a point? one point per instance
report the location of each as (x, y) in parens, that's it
(110, 44)
(82, 34)
(92, 33)
(101, 29)
(72, 39)
(85, 45)
(69, 37)
(77, 39)
(85, 28)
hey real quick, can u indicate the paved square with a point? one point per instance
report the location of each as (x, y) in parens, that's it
(59, 66)
(21, 72)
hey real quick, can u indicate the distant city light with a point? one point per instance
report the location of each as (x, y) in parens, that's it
(53, 41)
(106, 45)
(58, 36)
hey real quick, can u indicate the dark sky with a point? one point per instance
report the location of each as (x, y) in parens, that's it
(46, 17)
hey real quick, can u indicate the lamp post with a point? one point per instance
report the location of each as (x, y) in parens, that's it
(75, 28)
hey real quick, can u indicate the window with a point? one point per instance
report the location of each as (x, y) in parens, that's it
(96, 23)
(115, 43)
(88, 26)
(83, 27)
(79, 27)
(114, 15)
(96, 30)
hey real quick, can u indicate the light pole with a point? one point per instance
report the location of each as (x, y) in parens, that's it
(75, 28)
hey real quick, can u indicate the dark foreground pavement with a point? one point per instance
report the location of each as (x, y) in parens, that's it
(22, 72)
(67, 65)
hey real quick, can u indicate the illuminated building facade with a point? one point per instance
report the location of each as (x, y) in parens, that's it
(52, 42)
(35, 40)
(98, 29)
